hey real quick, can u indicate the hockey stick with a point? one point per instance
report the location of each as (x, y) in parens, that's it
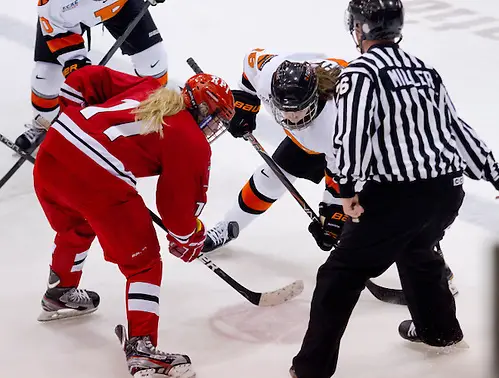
(265, 299)
(24, 155)
(395, 296)
(381, 293)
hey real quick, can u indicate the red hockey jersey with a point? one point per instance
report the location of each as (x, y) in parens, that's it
(96, 118)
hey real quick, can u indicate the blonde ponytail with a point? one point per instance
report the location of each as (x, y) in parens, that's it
(160, 103)
(327, 79)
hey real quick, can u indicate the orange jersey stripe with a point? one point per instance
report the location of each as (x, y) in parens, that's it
(330, 183)
(341, 62)
(163, 80)
(295, 141)
(44, 103)
(251, 200)
(63, 42)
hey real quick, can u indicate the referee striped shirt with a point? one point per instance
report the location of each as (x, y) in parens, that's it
(396, 123)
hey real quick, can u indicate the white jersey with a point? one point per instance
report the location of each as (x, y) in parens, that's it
(61, 20)
(260, 65)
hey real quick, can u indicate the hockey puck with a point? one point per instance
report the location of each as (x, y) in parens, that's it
(233, 229)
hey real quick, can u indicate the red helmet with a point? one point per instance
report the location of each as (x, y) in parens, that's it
(210, 100)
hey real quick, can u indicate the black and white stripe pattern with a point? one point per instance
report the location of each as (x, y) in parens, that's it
(79, 261)
(143, 296)
(93, 149)
(396, 123)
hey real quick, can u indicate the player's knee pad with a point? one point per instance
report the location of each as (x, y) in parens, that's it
(152, 62)
(46, 81)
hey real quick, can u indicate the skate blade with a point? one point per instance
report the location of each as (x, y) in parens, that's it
(449, 348)
(282, 295)
(179, 371)
(47, 316)
(149, 373)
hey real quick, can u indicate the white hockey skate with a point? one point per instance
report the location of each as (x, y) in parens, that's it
(221, 234)
(66, 302)
(145, 360)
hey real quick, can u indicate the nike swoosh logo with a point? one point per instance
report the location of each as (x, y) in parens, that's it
(154, 65)
(263, 173)
(51, 285)
(40, 78)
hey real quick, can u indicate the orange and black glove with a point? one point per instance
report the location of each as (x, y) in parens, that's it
(327, 233)
(72, 65)
(247, 107)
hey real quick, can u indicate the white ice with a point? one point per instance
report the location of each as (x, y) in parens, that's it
(202, 316)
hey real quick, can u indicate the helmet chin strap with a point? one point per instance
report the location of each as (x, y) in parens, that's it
(358, 44)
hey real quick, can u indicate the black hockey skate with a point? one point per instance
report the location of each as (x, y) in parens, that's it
(66, 302)
(221, 234)
(144, 359)
(407, 331)
(28, 140)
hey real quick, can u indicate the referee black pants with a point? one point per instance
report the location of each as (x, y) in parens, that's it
(402, 223)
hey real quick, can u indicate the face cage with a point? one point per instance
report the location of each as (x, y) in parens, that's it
(213, 126)
(303, 123)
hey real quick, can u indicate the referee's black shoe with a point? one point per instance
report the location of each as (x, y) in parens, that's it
(407, 331)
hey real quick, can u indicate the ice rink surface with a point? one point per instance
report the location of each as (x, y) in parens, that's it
(202, 316)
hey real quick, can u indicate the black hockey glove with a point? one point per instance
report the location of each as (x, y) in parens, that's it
(247, 107)
(156, 2)
(327, 234)
(72, 65)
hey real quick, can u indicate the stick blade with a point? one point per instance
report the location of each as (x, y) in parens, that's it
(387, 295)
(284, 294)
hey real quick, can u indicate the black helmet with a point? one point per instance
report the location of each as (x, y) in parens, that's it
(294, 88)
(379, 19)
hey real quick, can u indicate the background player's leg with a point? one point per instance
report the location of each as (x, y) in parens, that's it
(46, 80)
(144, 44)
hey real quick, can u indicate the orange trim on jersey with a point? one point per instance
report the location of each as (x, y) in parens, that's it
(341, 62)
(251, 200)
(44, 103)
(295, 141)
(110, 10)
(63, 42)
(163, 80)
(330, 183)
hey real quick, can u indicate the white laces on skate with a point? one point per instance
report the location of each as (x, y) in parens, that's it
(219, 234)
(151, 347)
(78, 296)
(412, 331)
(34, 131)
